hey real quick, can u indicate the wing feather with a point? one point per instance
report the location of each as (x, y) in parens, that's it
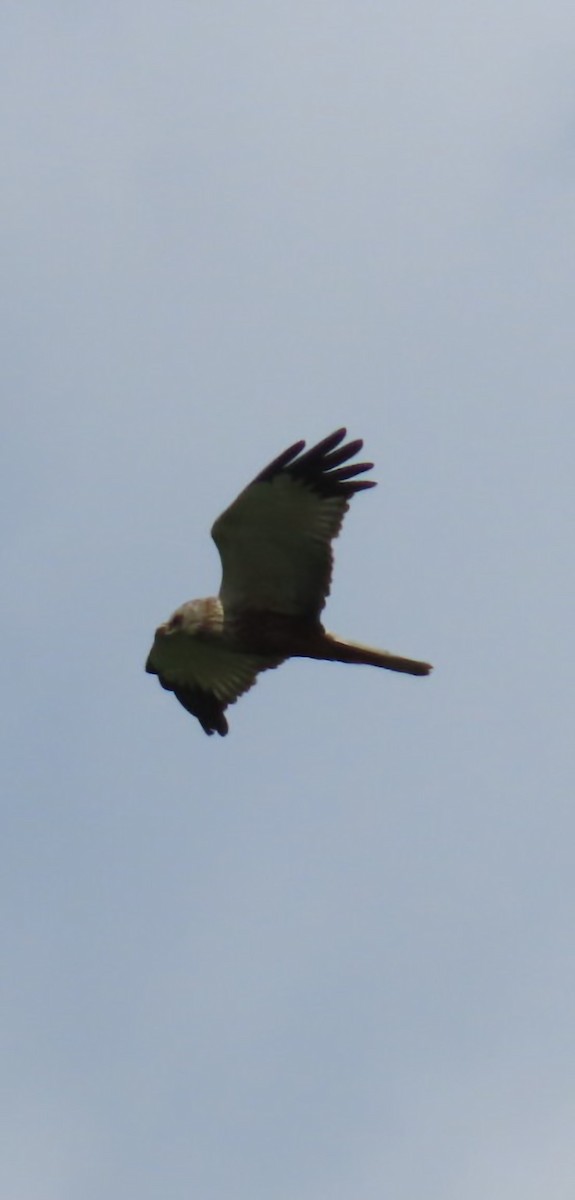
(205, 675)
(275, 539)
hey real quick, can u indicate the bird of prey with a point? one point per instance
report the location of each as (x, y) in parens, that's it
(275, 545)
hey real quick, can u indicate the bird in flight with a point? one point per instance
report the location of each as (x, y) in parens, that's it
(275, 545)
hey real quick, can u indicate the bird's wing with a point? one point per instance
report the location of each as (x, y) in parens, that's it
(275, 539)
(205, 675)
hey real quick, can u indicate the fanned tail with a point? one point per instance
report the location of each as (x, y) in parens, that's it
(335, 649)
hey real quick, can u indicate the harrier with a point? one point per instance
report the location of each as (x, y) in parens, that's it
(275, 545)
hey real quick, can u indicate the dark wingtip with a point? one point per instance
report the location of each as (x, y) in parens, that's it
(325, 467)
(333, 439)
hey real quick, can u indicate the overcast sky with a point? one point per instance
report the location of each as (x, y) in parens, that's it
(331, 957)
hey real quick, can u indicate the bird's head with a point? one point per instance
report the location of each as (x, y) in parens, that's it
(191, 619)
(185, 620)
(188, 619)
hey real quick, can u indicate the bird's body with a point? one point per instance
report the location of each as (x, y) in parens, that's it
(275, 546)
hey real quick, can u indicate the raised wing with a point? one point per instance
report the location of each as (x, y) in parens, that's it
(205, 675)
(275, 539)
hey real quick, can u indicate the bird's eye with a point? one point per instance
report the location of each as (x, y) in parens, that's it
(176, 622)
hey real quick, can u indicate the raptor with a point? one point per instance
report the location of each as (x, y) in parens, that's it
(275, 544)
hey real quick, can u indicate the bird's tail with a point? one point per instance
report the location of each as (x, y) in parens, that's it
(336, 649)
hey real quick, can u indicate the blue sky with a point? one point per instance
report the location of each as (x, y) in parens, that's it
(332, 955)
